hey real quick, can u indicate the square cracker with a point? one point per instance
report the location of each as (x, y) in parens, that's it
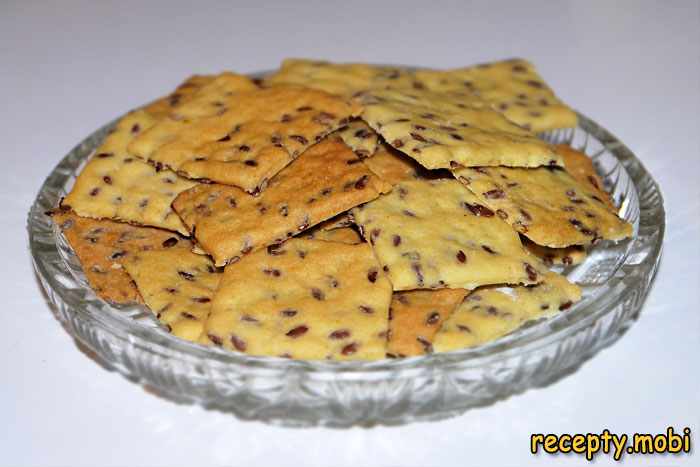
(343, 79)
(162, 107)
(435, 234)
(178, 286)
(547, 205)
(360, 137)
(115, 185)
(490, 313)
(441, 130)
(305, 299)
(415, 316)
(512, 87)
(257, 136)
(102, 246)
(326, 180)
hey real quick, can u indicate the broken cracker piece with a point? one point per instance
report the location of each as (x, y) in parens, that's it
(162, 107)
(581, 167)
(491, 312)
(178, 286)
(394, 167)
(212, 98)
(360, 137)
(415, 317)
(342, 235)
(568, 256)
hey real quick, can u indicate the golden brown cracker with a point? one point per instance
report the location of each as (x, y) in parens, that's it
(415, 317)
(257, 136)
(102, 246)
(394, 167)
(212, 98)
(177, 285)
(568, 256)
(343, 79)
(326, 180)
(162, 107)
(342, 235)
(581, 167)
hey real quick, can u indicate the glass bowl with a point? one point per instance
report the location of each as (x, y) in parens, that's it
(615, 279)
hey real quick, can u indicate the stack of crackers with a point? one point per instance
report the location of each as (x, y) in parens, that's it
(341, 211)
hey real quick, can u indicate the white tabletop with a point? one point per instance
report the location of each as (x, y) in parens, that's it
(68, 67)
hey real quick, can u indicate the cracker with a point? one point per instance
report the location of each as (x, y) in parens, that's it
(581, 167)
(441, 130)
(115, 185)
(342, 235)
(394, 167)
(341, 220)
(326, 180)
(162, 107)
(261, 132)
(360, 137)
(546, 205)
(213, 97)
(415, 317)
(102, 246)
(436, 234)
(343, 79)
(197, 249)
(305, 299)
(490, 313)
(512, 87)
(568, 256)
(178, 286)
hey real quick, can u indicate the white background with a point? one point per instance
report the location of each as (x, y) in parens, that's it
(68, 67)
